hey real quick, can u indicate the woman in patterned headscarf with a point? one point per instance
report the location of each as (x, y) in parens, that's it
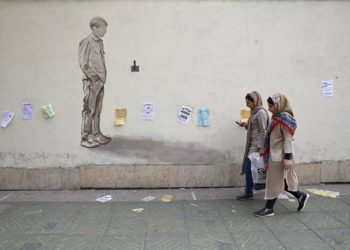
(256, 132)
(279, 157)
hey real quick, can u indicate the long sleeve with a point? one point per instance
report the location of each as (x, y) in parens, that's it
(287, 143)
(84, 54)
(262, 122)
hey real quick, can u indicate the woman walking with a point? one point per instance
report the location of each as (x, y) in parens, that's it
(279, 157)
(256, 133)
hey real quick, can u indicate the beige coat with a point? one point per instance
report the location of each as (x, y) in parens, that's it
(280, 143)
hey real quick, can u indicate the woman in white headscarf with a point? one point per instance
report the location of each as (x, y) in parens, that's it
(279, 157)
(256, 132)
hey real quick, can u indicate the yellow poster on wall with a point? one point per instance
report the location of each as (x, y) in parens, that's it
(120, 116)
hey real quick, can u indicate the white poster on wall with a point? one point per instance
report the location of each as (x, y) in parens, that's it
(185, 114)
(148, 111)
(327, 87)
(27, 111)
(7, 118)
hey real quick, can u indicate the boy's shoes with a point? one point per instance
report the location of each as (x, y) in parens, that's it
(101, 139)
(89, 143)
(264, 212)
(245, 197)
(106, 137)
(302, 201)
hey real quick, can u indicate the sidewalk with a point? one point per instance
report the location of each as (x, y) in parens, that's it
(193, 219)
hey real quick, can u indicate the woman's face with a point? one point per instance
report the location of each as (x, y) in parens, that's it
(272, 108)
(249, 103)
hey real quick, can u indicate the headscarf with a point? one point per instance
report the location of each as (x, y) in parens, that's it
(284, 114)
(258, 106)
(284, 117)
(282, 104)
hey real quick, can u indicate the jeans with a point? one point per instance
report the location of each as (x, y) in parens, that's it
(248, 177)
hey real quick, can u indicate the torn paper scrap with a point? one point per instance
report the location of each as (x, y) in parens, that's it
(104, 198)
(148, 198)
(27, 111)
(203, 117)
(327, 87)
(48, 111)
(148, 111)
(137, 210)
(244, 115)
(33, 212)
(120, 116)
(325, 193)
(286, 196)
(184, 114)
(167, 198)
(7, 118)
(283, 196)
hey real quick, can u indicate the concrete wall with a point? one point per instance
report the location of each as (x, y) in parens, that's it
(196, 53)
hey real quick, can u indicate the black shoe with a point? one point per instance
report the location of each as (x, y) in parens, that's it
(302, 201)
(245, 197)
(264, 212)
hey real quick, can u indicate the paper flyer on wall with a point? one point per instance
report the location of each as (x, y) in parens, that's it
(120, 116)
(203, 117)
(185, 114)
(148, 111)
(48, 111)
(27, 111)
(7, 118)
(327, 87)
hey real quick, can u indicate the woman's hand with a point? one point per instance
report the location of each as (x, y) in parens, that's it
(241, 124)
(261, 151)
(287, 164)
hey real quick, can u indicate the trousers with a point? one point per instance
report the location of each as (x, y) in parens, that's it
(92, 107)
(248, 176)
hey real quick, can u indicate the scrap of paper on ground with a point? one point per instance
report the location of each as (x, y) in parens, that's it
(148, 198)
(137, 210)
(104, 198)
(325, 193)
(167, 198)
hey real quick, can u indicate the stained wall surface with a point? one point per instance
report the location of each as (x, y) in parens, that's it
(204, 54)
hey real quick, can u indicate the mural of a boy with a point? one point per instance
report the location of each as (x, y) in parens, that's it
(92, 63)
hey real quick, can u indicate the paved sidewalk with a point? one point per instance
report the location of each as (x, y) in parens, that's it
(194, 219)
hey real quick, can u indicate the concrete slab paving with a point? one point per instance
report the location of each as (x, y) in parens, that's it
(205, 219)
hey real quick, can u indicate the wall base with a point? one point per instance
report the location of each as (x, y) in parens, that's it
(155, 176)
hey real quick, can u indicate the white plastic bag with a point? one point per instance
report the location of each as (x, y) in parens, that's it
(257, 168)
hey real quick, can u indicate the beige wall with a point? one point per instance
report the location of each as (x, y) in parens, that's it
(197, 53)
